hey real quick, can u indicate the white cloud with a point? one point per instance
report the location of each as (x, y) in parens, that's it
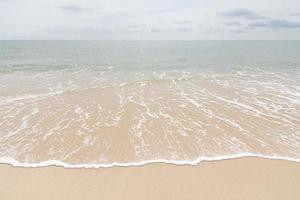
(149, 19)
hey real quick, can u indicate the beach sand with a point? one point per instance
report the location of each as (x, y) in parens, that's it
(243, 178)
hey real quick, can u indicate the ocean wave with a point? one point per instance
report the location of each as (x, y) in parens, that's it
(176, 116)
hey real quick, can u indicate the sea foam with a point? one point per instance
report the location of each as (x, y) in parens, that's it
(48, 163)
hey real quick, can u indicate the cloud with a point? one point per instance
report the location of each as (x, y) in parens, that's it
(184, 29)
(158, 30)
(183, 22)
(78, 30)
(72, 8)
(238, 31)
(7, 1)
(241, 13)
(274, 23)
(127, 15)
(211, 30)
(169, 19)
(134, 26)
(233, 23)
(92, 31)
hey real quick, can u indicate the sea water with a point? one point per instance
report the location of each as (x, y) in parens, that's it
(123, 103)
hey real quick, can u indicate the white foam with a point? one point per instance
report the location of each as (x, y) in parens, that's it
(15, 163)
(190, 96)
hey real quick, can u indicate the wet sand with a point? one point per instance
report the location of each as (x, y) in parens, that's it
(243, 178)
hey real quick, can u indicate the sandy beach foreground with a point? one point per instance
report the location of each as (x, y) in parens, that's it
(244, 178)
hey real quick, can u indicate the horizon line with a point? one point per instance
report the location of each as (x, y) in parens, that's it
(149, 40)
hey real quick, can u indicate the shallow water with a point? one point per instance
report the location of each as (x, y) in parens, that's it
(106, 103)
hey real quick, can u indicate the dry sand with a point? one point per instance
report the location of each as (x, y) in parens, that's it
(244, 178)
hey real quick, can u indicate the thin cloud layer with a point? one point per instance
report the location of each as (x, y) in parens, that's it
(275, 23)
(149, 19)
(242, 13)
(183, 22)
(72, 8)
(233, 23)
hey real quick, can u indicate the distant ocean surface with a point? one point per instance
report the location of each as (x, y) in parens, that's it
(122, 103)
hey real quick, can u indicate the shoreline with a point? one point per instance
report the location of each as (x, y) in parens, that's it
(57, 163)
(240, 178)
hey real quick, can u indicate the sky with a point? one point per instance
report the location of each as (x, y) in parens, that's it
(150, 19)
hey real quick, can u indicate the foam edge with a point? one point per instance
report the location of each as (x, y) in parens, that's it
(58, 163)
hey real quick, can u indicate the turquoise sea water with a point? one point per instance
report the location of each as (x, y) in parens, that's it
(51, 55)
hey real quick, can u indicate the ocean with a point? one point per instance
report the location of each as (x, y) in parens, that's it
(121, 103)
